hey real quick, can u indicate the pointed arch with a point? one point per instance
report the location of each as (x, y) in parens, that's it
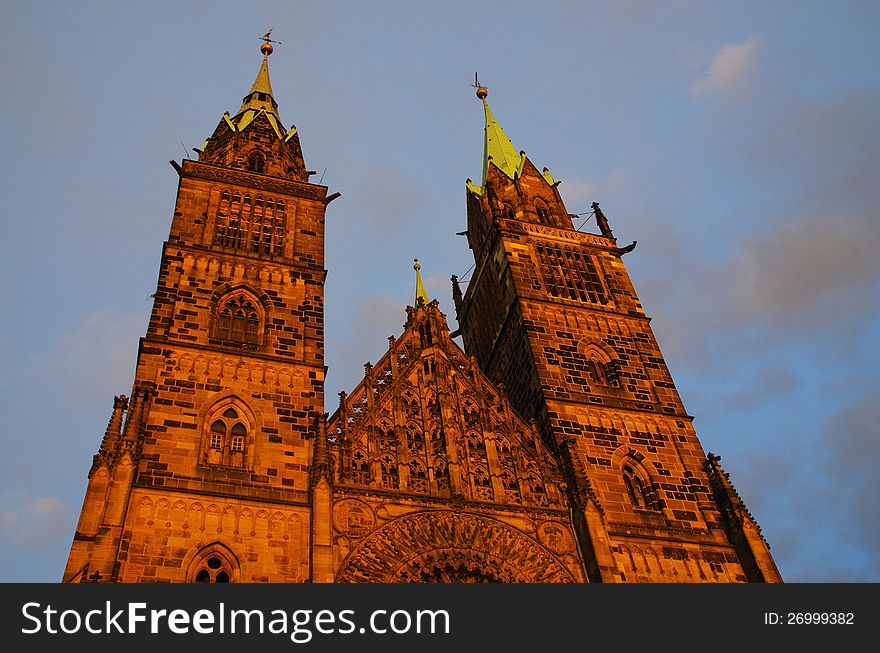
(212, 563)
(639, 479)
(388, 466)
(256, 161)
(602, 361)
(360, 467)
(239, 315)
(543, 212)
(228, 426)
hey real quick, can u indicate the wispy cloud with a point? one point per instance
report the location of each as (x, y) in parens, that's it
(33, 523)
(730, 70)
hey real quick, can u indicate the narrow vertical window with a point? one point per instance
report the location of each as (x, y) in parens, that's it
(639, 494)
(543, 214)
(256, 161)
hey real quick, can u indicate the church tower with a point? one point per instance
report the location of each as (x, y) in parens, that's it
(550, 313)
(554, 448)
(202, 474)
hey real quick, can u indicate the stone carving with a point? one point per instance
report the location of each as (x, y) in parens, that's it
(555, 537)
(353, 517)
(241, 178)
(445, 546)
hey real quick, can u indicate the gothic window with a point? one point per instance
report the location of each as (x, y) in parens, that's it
(425, 333)
(543, 213)
(222, 221)
(536, 490)
(226, 439)
(639, 494)
(233, 237)
(511, 486)
(213, 572)
(214, 564)
(387, 440)
(415, 439)
(256, 161)
(507, 211)
(471, 414)
(360, 468)
(570, 274)
(418, 478)
(390, 479)
(601, 370)
(482, 484)
(250, 223)
(238, 320)
(218, 431)
(441, 476)
(476, 447)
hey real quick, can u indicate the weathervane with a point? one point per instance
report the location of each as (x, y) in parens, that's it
(482, 91)
(266, 48)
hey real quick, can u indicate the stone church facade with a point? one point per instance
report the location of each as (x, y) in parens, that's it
(553, 448)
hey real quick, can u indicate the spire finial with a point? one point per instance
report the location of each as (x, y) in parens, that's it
(267, 48)
(421, 294)
(482, 91)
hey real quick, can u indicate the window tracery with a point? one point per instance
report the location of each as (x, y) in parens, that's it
(213, 564)
(640, 494)
(226, 439)
(256, 161)
(239, 320)
(255, 224)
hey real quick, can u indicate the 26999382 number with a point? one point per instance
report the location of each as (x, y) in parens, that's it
(832, 618)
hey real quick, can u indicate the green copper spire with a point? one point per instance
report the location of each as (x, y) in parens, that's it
(497, 147)
(421, 294)
(260, 96)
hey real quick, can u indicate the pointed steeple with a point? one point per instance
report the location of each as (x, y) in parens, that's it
(260, 96)
(421, 294)
(257, 127)
(497, 147)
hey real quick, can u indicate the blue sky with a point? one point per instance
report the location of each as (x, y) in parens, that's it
(737, 142)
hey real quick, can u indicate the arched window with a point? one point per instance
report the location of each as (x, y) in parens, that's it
(255, 224)
(238, 320)
(471, 414)
(543, 213)
(536, 489)
(476, 446)
(256, 161)
(482, 484)
(507, 212)
(389, 472)
(441, 476)
(360, 468)
(226, 439)
(418, 477)
(213, 564)
(511, 486)
(639, 493)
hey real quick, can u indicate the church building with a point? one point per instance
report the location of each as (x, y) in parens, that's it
(553, 448)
